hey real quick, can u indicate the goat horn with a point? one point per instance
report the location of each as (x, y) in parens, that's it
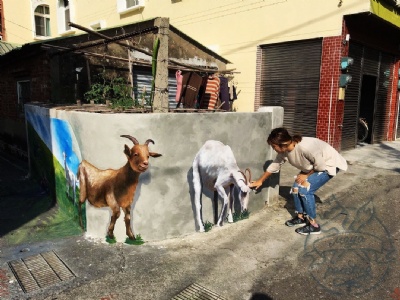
(135, 141)
(248, 171)
(244, 175)
(149, 141)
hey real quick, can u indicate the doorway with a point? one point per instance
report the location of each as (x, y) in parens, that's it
(367, 103)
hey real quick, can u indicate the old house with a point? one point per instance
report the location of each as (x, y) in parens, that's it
(290, 53)
(60, 71)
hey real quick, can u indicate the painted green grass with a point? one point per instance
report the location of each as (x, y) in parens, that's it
(38, 216)
(111, 240)
(137, 241)
(208, 226)
(53, 224)
(67, 204)
(237, 216)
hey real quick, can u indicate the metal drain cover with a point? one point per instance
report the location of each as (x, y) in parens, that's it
(40, 271)
(195, 291)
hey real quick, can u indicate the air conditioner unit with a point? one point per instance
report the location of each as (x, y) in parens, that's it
(1, 37)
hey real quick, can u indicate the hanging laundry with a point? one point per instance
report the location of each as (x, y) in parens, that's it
(232, 92)
(191, 83)
(210, 96)
(179, 80)
(224, 93)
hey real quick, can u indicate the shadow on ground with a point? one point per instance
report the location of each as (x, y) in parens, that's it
(28, 213)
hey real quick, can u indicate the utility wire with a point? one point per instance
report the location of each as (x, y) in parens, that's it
(224, 14)
(19, 25)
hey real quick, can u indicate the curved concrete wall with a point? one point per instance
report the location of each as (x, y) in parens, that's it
(163, 206)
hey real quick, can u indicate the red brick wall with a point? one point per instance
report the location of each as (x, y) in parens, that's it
(2, 28)
(330, 109)
(12, 118)
(35, 69)
(393, 100)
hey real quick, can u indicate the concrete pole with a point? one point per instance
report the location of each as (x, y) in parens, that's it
(160, 102)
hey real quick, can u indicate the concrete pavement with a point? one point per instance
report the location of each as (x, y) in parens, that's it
(356, 256)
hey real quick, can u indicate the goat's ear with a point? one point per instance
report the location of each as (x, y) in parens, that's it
(154, 154)
(127, 151)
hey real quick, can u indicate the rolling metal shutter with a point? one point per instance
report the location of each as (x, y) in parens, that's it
(367, 61)
(382, 109)
(142, 80)
(290, 74)
(350, 118)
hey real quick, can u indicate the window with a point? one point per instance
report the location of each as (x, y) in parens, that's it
(42, 20)
(125, 6)
(131, 3)
(24, 93)
(64, 15)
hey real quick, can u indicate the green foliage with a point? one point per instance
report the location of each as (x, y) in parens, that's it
(97, 93)
(118, 90)
(208, 226)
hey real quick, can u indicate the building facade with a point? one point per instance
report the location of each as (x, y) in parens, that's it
(285, 52)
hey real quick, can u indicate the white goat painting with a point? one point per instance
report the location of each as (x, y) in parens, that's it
(215, 167)
(70, 179)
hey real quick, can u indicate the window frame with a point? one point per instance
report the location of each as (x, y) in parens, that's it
(62, 10)
(122, 6)
(46, 21)
(21, 100)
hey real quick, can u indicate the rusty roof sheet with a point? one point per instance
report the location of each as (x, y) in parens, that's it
(7, 47)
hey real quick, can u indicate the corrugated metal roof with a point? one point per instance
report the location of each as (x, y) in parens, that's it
(7, 47)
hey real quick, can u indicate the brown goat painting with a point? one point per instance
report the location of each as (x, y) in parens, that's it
(115, 188)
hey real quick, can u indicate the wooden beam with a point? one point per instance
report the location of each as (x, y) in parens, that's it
(160, 103)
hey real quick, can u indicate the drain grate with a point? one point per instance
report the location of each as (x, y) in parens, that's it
(195, 291)
(40, 271)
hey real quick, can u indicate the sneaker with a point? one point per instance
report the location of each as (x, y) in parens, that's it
(296, 221)
(309, 229)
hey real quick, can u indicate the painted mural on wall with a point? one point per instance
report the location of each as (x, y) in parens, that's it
(115, 188)
(55, 156)
(76, 180)
(215, 168)
(163, 205)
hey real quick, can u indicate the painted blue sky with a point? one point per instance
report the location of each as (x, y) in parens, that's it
(41, 124)
(57, 135)
(63, 143)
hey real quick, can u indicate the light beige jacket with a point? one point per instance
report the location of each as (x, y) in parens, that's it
(311, 153)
